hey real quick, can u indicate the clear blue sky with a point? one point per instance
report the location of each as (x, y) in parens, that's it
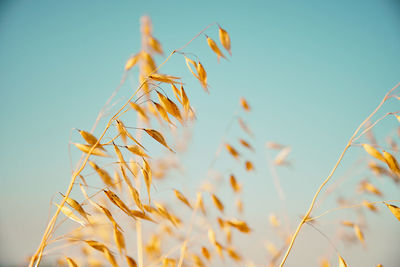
(312, 71)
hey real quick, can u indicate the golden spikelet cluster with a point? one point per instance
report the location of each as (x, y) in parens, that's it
(121, 220)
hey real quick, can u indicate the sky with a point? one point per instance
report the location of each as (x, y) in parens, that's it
(312, 71)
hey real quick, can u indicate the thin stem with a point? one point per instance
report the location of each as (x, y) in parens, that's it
(324, 235)
(331, 174)
(372, 125)
(348, 207)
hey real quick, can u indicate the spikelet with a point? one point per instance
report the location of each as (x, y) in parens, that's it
(147, 176)
(233, 254)
(102, 173)
(194, 64)
(119, 239)
(240, 225)
(211, 236)
(397, 117)
(218, 204)
(244, 104)
(206, 254)
(272, 250)
(161, 210)
(214, 47)
(158, 137)
(282, 155)
(246, 144)
(67, 212)
(124, 133)
(152, 109)
(110, 257)
(168, 262)
(373, 152)
(173, 109)
(76, 206)
(325, 263)
(200, 203)
(249, 166)
(96, 245)
(219, 249)
(155, 45)
(395, 210)
(369, 205)
(169, 106)
(239, 205)
(126, 178)
(149, 65)
(273, 145)
(131, 262)
(273, 220)
(136, 197)
(86, 148)
(366, 186)
(137, 150)
(197, 262)
(228, 234)
(221, 223)
(140, 111)
(182, 198)
(234, 184)
(202, 74)
(391, 162)
(132, 61)
(185, 100)
(117, 201)
(225, 40)
(122, 162)
(61, 262)
(347, 223)
(109, 215)
(163, 100)
(142, 215)
(232, 151)
(163, 113)
(177, 93)
(342, 263)
(378, 170)
(117, 181)
(164, 78)
(153, 246)
(89, 138)
(359, 233)
(71, 262)
(93, 262)
(134, 167)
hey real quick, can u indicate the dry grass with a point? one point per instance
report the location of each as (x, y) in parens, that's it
(108, 221)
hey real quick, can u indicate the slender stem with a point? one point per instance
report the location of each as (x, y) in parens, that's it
(331, 174)
(324, 235)
(348, 207)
